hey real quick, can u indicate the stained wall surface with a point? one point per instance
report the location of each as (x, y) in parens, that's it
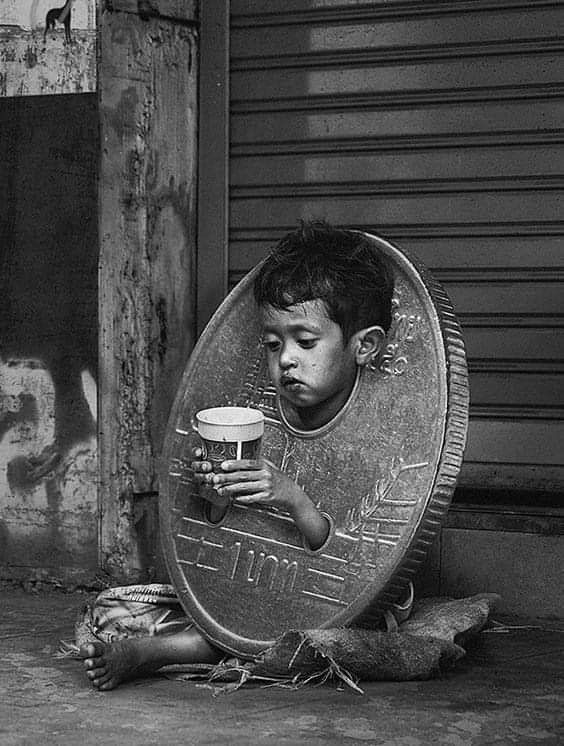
(48, 298)
(36, 60)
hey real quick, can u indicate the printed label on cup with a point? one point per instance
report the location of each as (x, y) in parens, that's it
(216, 452)
(230, 433)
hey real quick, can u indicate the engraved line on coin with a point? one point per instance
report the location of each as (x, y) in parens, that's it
(392, 521)
(322, 597)
(203, 543)
(296, 547)
(270, 509)
(199, 565)
(249, 535)
(194, 520)
(367, 538)
(201, 539)
(325, 574)
(321, 576)
(400, 503)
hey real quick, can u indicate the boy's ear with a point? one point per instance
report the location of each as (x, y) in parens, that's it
(367, 343)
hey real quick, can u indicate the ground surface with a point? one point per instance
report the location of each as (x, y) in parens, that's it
(508, 690)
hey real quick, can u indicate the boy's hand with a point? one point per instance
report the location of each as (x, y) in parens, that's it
(257, 481)
(203, 475)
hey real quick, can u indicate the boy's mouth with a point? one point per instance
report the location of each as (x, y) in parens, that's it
(288, 382)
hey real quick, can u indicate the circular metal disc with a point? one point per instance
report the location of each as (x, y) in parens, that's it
(383, 471)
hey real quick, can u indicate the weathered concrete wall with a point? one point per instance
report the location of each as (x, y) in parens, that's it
(49, 150)
(148, 120)
(31, 14)
(48, 522)
(50, 488)
(35, 61)
(30, 67)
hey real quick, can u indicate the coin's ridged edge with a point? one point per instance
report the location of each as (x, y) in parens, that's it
(450, 461)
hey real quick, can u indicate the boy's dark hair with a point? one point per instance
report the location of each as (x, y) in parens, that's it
(340, 267)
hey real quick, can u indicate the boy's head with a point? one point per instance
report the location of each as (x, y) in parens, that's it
(325, 300)
(339, 267)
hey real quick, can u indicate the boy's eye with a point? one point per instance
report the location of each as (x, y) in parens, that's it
(307, 344)
(271, 344)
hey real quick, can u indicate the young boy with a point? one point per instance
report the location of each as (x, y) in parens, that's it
(324, 297)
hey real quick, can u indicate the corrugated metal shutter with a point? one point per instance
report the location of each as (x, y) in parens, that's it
(438, 125)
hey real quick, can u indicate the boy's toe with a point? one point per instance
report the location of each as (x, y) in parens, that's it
(90, 663)
(101, 681)
(92, 650)
(96, 673)
(109, 683)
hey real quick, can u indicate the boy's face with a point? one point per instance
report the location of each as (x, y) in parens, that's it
(310, 366)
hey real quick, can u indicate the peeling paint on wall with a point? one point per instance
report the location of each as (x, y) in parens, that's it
(47, 47)
(48, 509)
(31, 14)
(31, 68)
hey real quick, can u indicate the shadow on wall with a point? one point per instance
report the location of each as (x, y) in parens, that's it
(48, 329)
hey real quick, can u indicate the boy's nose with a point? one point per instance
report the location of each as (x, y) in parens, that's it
(286, 359)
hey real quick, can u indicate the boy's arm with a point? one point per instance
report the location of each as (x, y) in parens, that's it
(311, 523)
(249, 481)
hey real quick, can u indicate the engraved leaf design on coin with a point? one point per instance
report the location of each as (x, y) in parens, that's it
(359, 515)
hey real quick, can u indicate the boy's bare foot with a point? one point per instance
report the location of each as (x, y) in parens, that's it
(108, 665)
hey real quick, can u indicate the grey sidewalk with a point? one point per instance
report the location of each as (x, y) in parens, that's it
(508, 690)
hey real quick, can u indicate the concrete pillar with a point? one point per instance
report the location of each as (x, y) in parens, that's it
(147, 82)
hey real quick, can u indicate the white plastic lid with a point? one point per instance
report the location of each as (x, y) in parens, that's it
(230, 424)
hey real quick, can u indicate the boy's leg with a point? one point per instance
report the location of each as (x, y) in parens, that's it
(107, 665)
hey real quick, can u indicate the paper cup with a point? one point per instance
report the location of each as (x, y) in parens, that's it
(229, 433)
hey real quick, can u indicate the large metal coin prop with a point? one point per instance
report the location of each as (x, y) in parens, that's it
(383, 471)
